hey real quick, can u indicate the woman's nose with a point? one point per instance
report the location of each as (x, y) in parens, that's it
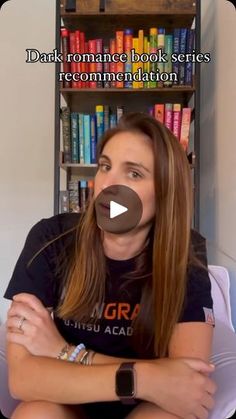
(111, 179)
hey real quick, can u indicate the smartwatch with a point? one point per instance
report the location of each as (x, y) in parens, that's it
(126, 383)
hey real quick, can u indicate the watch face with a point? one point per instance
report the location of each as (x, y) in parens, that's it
(125, 383)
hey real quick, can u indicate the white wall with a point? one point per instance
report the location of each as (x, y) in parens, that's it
(26, 127)
(218, 138)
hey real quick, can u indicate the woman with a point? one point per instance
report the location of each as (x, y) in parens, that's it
(138, 296)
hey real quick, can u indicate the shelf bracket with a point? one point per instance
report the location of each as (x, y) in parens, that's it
(70, 6)
(102, 6)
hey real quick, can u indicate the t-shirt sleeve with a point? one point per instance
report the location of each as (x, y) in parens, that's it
(37, 278)
(198, 305)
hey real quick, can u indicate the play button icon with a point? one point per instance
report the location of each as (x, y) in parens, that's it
(118, 209)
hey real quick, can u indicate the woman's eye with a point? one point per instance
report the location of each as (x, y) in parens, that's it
(134, 174)
(103, 167)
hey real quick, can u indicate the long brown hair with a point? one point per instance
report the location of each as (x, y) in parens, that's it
(164, 291)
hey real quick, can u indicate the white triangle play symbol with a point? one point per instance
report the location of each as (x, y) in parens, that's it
(116, 209)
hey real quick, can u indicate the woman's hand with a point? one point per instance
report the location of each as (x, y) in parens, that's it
(30, 324)
(179, 386)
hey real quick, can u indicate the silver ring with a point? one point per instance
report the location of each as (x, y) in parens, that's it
(22, 319)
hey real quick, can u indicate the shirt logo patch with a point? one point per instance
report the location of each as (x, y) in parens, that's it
(209, 316)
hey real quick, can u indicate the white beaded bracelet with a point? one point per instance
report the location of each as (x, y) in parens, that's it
(76, 352)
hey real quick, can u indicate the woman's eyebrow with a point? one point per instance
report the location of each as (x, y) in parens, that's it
(127, 163)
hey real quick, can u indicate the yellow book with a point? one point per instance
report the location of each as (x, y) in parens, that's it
(135, 65)
(140, 51)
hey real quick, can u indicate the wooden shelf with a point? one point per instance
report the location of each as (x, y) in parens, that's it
(179, 89)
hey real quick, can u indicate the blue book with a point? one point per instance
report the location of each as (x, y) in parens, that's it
(176, 50)
(182, 49)
(113, 121)
(81, 138)
(106, 117)
(93, 138)
(87, 152)
(189, 50)
(74, 138)
(100, 121)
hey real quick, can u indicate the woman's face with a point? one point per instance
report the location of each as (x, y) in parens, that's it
(128, 159)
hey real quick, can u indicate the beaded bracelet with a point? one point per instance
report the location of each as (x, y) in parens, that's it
(76, 352)
(64, 352)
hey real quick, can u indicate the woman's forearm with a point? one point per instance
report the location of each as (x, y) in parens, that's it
(41, 378)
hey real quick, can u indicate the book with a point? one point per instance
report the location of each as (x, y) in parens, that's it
(81, 139)
(65, 46)
(112, 64)
(99, 66)
(135, 64)
(73, 51)
(100, 121)
(140, 51)
(146, 65)
(74, 138)
(87, 151)
(119, 50)
(106, 117)
(83, 195)
(176, 50)
(185, 127)
(64, 201)
(153, 50)
(177, 120)
(128, 44)
(160, 48)
(169, 116)
(106, 67)
(93, 139)
(159, 112)
(189, 65)
(84, 65)
(78, 50)
(168, 51)
(92, 46)
(66, 134)
(73, 191)
(119, 112)
(183, 40)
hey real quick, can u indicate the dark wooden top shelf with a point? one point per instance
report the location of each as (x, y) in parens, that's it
(181, 89)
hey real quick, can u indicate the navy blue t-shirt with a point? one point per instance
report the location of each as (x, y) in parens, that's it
(112, 333)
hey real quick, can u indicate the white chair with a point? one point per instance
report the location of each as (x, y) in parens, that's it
(224, 345)
(223, 354)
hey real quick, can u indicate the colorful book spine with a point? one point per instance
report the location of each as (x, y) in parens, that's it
(177, 120)
(65, 45)
(183, 41)
(81, 139)
(159, 112)
(78, 50)
(100, 121)
(73, 51)
(87, 151)
(74, 138)
(106, 117)
(153, 50)
(66, 134)
(128, 44)
(92, 45)
(90, 188)
(169, 116)
(113, 65)
(176, 50)
(83, 195)
(99, 66)
(120, 50)
(146, 65)
(189, 65)
(168, 51)
(106, 67)
(135, 64)
(140, 51)
(185, 127)
(83, 64)
(160, 48)
(93, 139)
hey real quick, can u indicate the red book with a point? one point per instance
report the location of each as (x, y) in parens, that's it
(185, 127)
(86, 50)
(119, 50)
(92, 65)
(82, 50)
(113, 65)
(65, 46)
(106, 66)
(78, 50)
(72, 51)
(99, 66)
(159, 112)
